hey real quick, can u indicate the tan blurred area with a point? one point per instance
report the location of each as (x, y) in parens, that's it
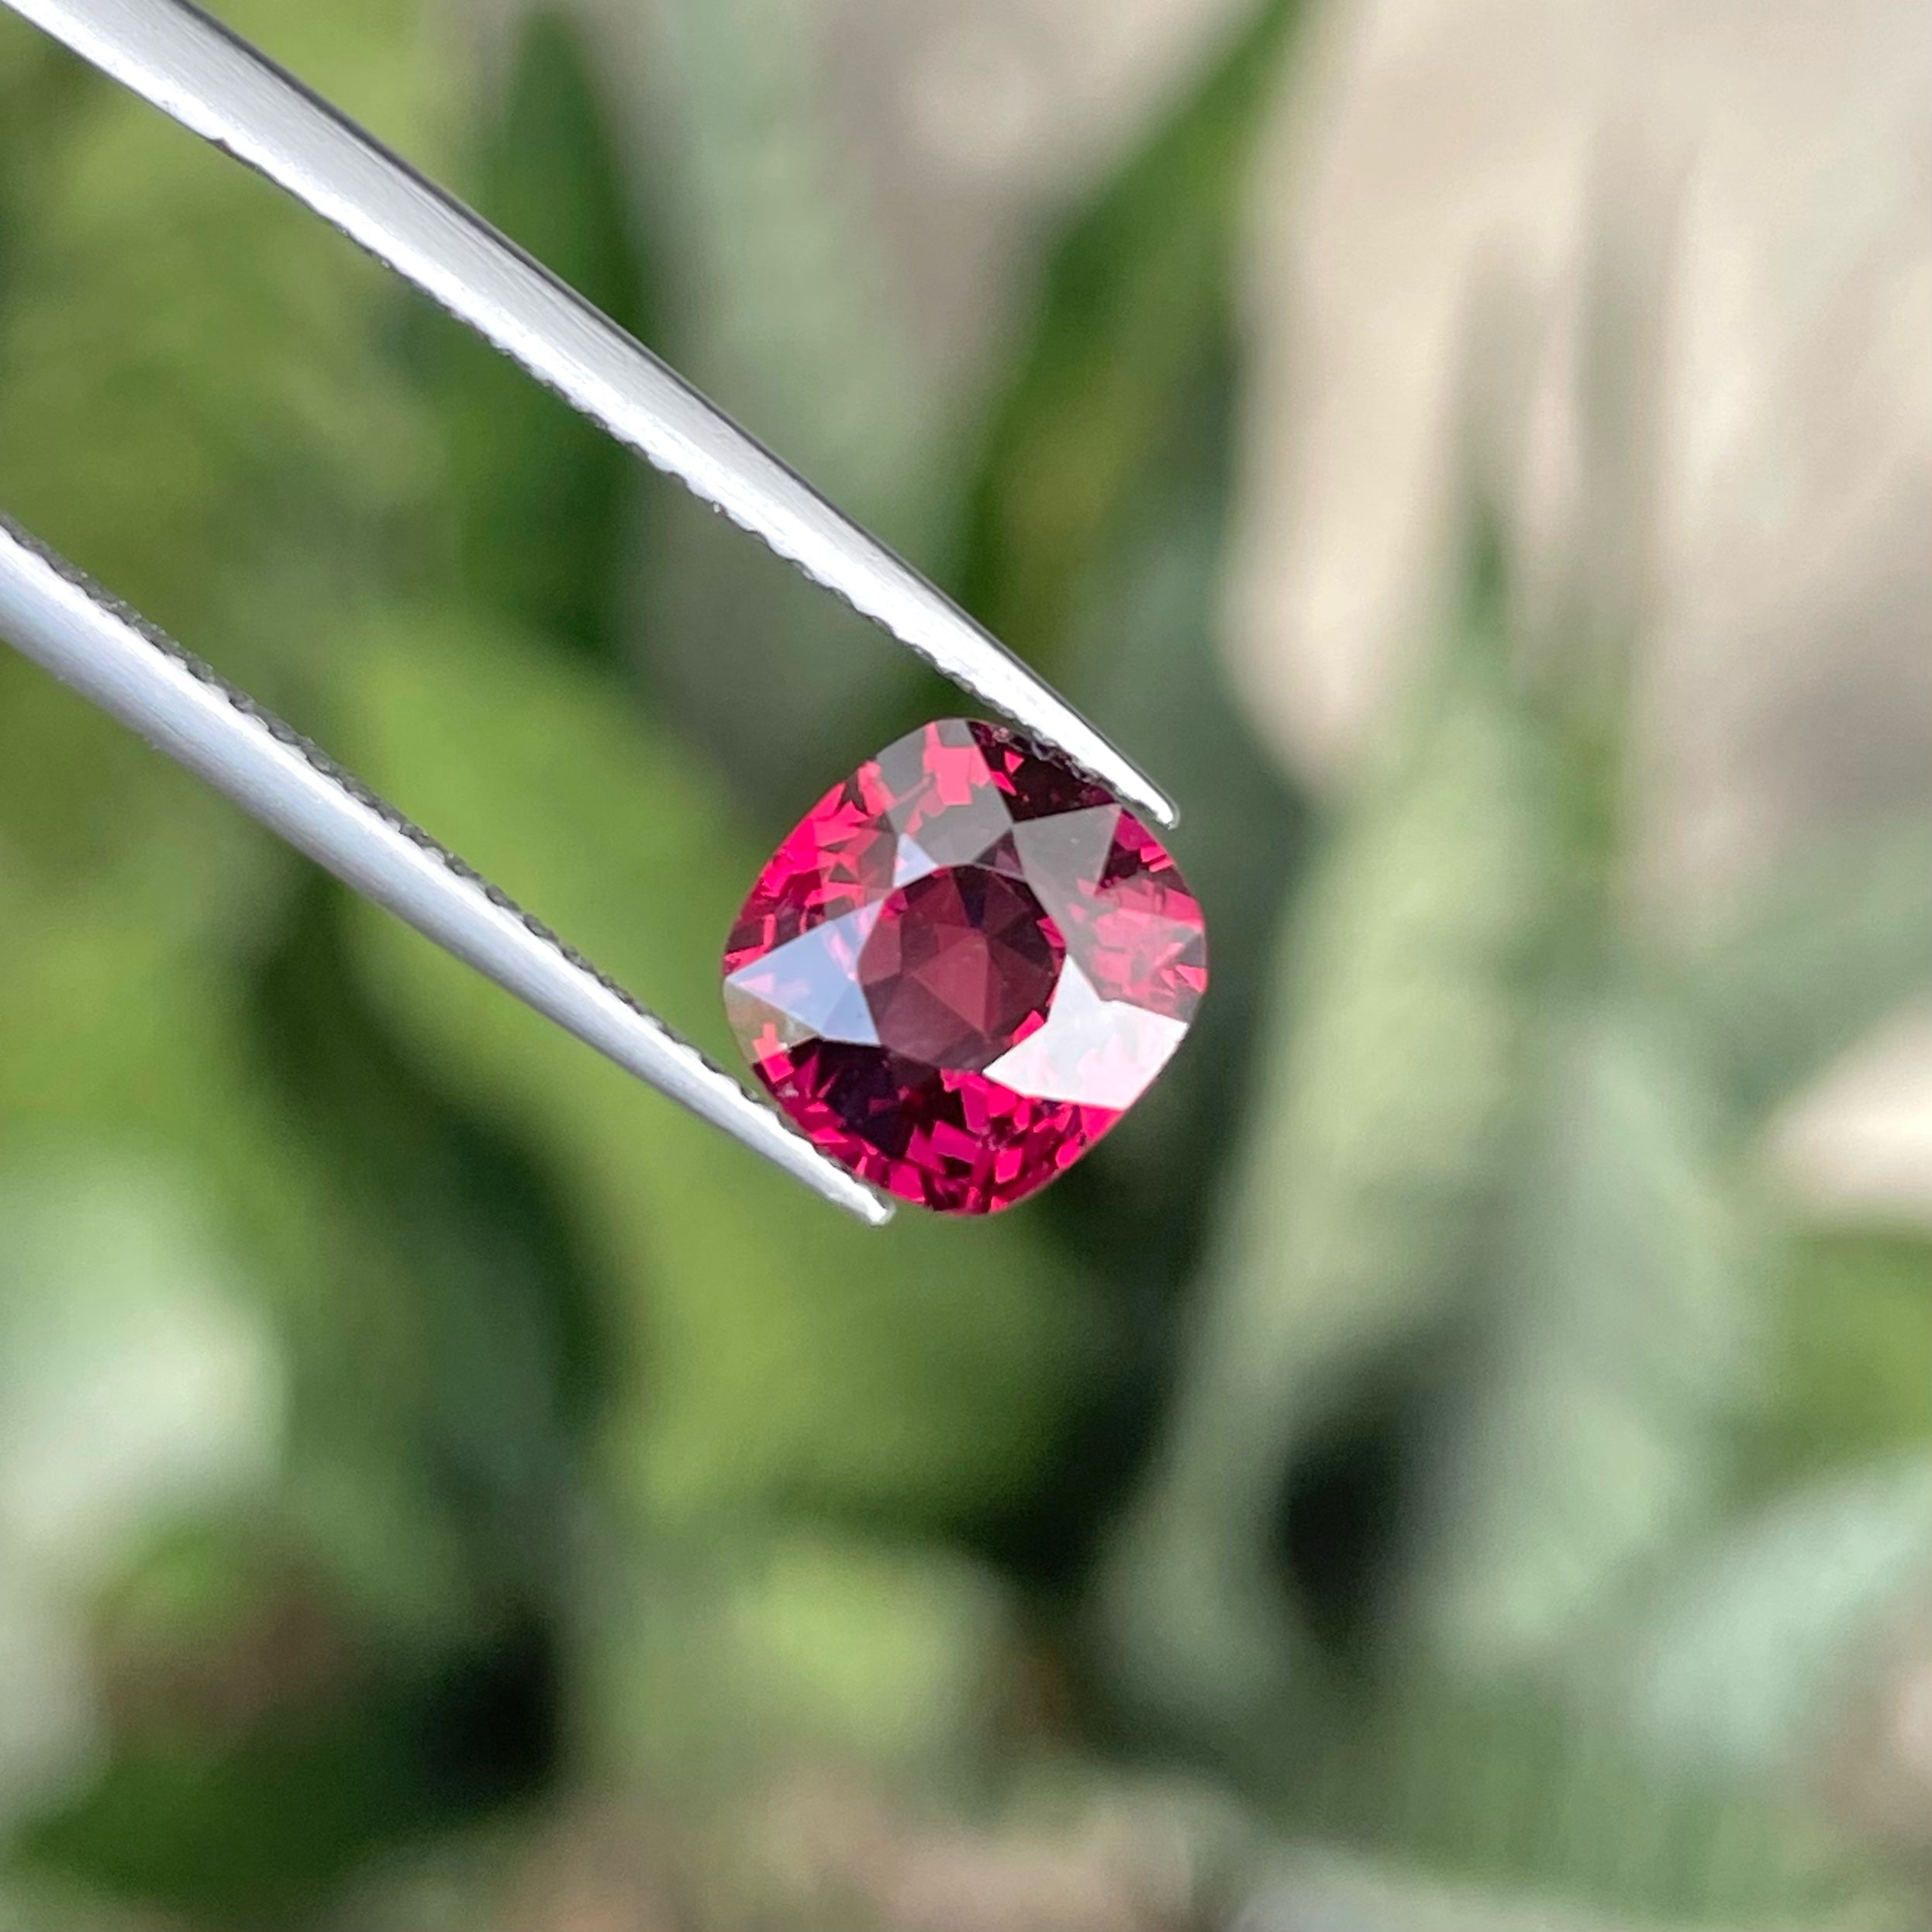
(1456, 192)
(1759, 174)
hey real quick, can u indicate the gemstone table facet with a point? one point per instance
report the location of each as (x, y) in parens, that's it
(963, 965)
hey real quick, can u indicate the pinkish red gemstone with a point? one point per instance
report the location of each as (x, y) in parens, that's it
(963, 966)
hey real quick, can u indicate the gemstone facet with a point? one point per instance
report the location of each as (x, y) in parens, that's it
(963, 965)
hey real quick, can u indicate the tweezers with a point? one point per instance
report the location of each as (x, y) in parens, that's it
(196, 71)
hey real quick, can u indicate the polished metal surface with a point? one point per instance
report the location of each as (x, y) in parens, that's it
(195, 69)
(53, 615)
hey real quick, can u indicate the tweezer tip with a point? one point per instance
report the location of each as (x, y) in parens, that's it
(1147, 796)
(1048, 717)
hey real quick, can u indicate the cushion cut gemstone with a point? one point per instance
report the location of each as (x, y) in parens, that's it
(962, 967)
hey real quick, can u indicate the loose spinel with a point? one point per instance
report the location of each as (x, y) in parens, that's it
(963, 966)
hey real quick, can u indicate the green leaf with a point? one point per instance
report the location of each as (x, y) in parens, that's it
(37, 1905)
(742, 1646)
(541, 495)
(1533, 1798)
(1758, 1649)
(1363, 1203)
(1620, 1342)
(1134, 291)
(39, 90)
(1854, 1376)
(1841, 939)
(767, 1350)
(96, 826)
(499, 1307)
(120, 1029)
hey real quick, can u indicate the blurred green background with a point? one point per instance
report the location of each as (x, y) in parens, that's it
(1439, 1465)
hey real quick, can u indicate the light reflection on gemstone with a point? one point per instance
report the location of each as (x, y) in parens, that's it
(962, 965)
(912, 862)
(812, 981)
(1104, 1052)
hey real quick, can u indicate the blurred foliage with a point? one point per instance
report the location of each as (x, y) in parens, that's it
(1417, 1474)
(540, 497)
(1129, 295)
(1854, 1329)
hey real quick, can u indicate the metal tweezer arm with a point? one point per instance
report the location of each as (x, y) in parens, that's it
(193, 68)
(75, 629)
(197, 71)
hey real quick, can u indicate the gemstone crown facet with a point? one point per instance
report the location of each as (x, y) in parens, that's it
(963, 964)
